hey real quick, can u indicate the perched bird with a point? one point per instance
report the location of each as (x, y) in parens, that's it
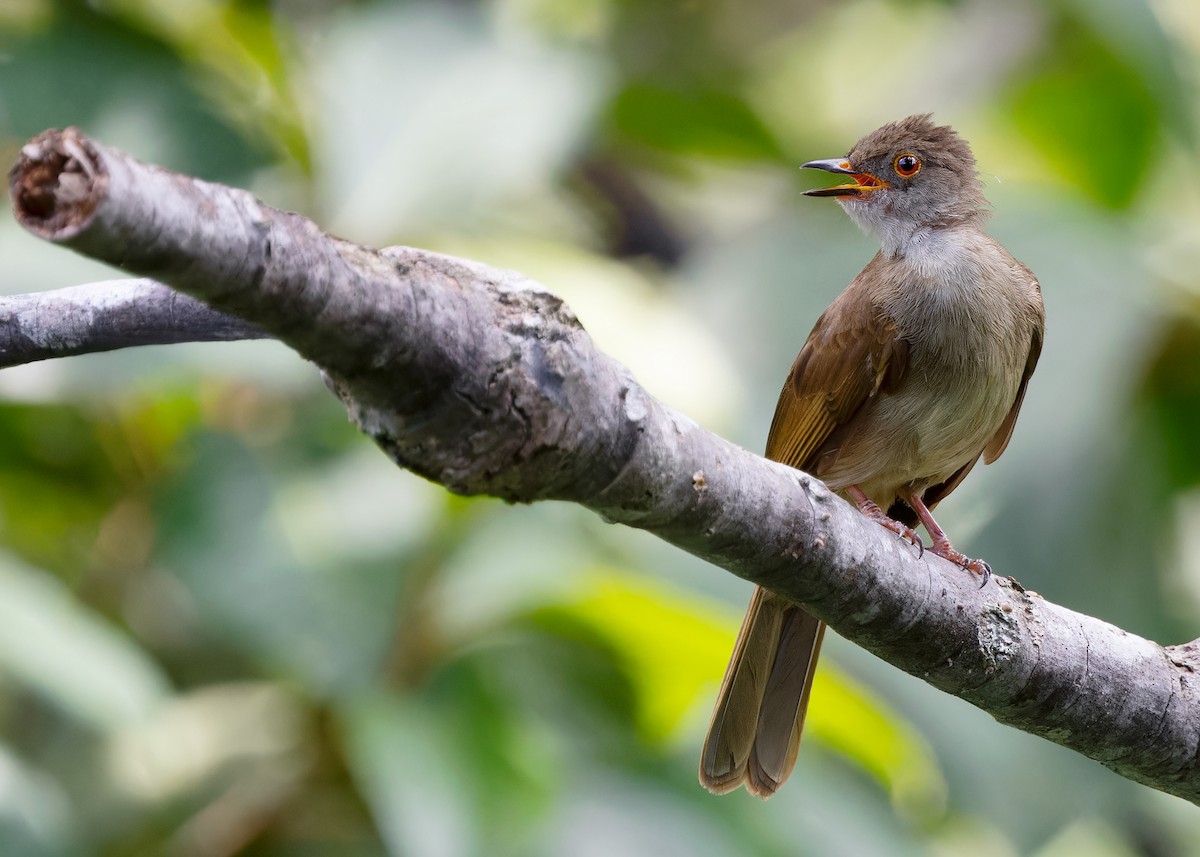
(911, 375)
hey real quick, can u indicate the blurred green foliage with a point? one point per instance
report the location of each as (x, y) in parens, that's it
(229, 626)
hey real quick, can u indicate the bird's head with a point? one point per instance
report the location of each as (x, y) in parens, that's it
(906, 176)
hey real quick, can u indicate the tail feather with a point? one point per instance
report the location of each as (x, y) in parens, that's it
(759, 715)
(785, 702)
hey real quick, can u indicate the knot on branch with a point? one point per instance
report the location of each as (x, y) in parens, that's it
(999, 636)
(521, 407)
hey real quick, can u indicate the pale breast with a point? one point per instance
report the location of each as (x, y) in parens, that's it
(964, 306)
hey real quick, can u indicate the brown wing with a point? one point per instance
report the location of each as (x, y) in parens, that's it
(999, 441)
(853, 353)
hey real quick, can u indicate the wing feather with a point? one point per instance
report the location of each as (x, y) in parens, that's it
(999, 441)
(853, 352)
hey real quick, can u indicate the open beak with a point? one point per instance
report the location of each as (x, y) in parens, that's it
(860, 188)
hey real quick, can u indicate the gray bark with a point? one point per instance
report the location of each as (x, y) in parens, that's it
(486, 383)
(104, 316)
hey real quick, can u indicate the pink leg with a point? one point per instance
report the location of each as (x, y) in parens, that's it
(872, 511)
(941, 543)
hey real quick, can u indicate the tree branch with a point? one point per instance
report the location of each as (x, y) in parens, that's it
(481, 380)
(105, 316)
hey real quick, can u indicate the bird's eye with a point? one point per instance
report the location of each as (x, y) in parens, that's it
(907, 165)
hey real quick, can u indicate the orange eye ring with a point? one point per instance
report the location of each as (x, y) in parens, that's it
(906, 165)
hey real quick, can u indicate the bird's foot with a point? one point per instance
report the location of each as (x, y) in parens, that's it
(872, 511)
(944, 549)
(941, 544)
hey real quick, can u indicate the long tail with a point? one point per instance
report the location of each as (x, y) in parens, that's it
(759, 716)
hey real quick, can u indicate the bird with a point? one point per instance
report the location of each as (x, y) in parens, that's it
(915, 372)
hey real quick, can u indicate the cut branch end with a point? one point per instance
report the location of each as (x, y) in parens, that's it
(57, 183)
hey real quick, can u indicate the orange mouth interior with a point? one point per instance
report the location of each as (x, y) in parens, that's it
(860, 188)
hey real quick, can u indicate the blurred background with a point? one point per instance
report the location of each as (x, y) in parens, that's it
(228, 626)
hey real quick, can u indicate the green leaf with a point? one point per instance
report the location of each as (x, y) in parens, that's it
(675, 647)
(1140, 32)
(672, 644)
(73, 657)
(116, 76)
(319, 619)
(861, 726)
(234, 50)
(57, 482)
(1102, 145)
(408, 767)
(697, 121)
(1169, 396)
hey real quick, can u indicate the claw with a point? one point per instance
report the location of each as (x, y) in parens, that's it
(980, 567)
(906, 534)
(975, 566)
